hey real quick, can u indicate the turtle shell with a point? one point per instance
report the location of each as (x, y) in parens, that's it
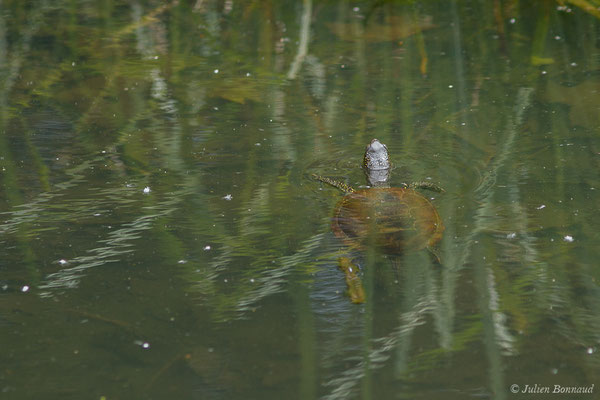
(394, 219)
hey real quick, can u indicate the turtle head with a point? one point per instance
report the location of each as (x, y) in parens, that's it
(376, 156)
(376, 163)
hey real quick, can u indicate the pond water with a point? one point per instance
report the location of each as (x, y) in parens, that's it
(162, 236)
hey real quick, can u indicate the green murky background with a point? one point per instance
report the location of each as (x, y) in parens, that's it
(161, 236)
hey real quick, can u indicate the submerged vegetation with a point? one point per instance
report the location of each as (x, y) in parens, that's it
(156, 157)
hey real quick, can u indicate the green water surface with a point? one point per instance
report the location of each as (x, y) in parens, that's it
(162, 237)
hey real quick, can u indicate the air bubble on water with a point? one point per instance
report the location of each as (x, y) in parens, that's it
(206, 248)
(216, 71)
(181, 261)
(590, 350)
(568, 238)
(62, 261)
(252, 280)
(25, 289)
(143, 344)
(512, 20)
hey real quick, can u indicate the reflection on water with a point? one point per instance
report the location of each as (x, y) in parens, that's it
(220, 280)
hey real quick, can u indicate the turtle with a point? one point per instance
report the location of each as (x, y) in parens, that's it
(394, 219)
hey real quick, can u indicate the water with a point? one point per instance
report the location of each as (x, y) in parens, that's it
(161, 235)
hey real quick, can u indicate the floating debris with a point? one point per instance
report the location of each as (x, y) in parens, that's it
(568, 238)
(228, 197)
(147, 190)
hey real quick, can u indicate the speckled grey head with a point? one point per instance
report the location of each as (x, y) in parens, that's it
(376, 156)
(377, 163)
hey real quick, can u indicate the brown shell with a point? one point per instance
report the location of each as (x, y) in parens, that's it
(394, 219)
